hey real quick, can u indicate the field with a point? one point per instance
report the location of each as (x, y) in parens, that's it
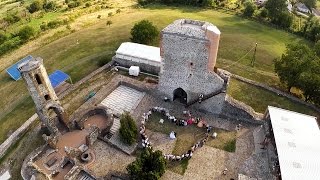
(79, 53)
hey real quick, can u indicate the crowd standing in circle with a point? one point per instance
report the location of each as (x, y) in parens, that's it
(178, 122)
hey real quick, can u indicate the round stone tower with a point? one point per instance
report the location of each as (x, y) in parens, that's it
(42, 93)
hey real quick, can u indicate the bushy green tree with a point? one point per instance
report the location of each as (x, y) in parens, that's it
(3, 37)
(292, 63)
(148, 166)
(109, 23)
(128, 130)
(249, 9)
(9, 45)
(144, 32)
(263, 12)
(35, 6)
(50, 5)
(311, 29)
(278, 13)
(317, 48)
(309, 82)
(26, 32)
(12, 17)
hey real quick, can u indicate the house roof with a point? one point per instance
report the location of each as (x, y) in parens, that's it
(302, 6)
(297, 139)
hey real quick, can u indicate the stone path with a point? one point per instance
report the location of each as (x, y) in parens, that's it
(123, 99)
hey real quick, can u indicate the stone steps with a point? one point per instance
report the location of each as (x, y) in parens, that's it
(85, 176)
(114, 128)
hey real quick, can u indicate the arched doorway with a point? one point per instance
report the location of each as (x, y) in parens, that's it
(180, 95)
(58, 117)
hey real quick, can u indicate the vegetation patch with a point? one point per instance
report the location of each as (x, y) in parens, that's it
(128, 130)
(259, 99)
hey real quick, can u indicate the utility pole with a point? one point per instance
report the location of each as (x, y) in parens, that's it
(254, 55)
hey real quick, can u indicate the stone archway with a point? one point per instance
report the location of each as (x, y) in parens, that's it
(55, 111)
(180, 95)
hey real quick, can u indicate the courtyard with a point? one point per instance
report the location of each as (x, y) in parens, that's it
(236, 150)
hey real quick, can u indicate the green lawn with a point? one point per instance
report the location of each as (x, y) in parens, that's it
(259, 99)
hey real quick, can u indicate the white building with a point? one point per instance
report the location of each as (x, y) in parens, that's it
(146, 57)
(296, 138)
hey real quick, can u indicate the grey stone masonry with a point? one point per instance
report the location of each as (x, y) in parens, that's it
(188, 52)
(42, 92)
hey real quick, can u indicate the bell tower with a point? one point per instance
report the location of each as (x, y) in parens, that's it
(42, 93)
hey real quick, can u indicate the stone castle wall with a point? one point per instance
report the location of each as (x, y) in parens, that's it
(188, 57)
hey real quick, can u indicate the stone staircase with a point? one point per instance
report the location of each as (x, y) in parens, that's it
(85, 176)
(114, 128)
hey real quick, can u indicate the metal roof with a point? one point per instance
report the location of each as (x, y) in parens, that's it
(297, 139)
(139, 51)
(58, 77)
(13, 70)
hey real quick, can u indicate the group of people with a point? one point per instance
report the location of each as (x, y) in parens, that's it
(172, 135)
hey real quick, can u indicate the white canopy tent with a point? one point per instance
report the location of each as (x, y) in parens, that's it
(139, 53)
(297, 139)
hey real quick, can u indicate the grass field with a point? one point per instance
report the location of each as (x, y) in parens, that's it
(78, 53)
(259, 99)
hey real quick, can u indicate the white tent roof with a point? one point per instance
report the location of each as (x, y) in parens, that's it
(139, 51)
(297, 138)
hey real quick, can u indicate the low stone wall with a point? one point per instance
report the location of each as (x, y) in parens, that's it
(274, 90)
(153, 69)
(237, 110)
(13, 138)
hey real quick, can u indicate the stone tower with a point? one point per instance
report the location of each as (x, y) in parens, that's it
(189, 51)
(42, 93)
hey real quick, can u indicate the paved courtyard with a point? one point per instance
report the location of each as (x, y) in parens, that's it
(122, 99)
(207, 162)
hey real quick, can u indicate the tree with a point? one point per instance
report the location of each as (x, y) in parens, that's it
(50, 5)
(3, 37)
(118, 11)
(109, 14)
(309, 81)
(109, 23)
(311, 29)
(309, 3)
(128, 130)
(148, 166)
(263, 12)
(275, 9)
(249, 9)
(144, 32)
(292, 63)
(317, 48)
(35, 6)
(26, 33)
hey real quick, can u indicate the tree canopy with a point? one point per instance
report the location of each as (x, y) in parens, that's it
(292, 63)
(144, 32)
(128, 129)
(249, 9)
(278, 13)
(148, 166)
